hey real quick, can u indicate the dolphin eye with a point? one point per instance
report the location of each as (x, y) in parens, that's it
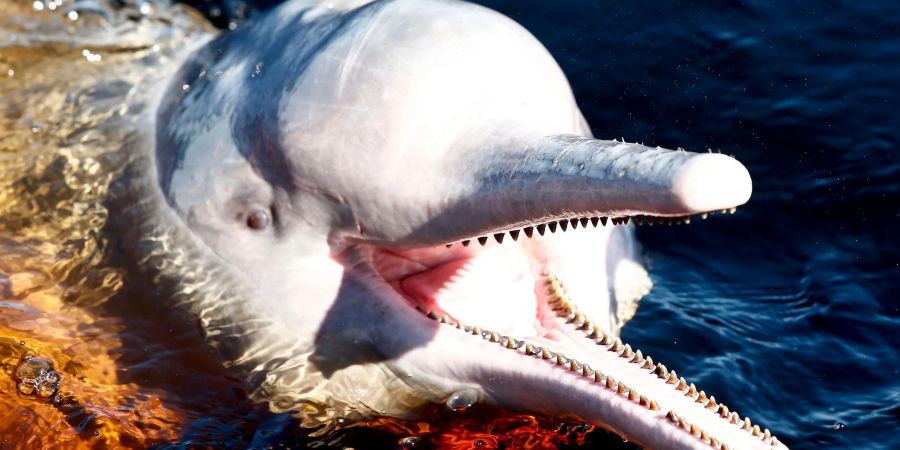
(258, 219)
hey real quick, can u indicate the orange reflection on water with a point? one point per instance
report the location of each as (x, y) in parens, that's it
(485, 428)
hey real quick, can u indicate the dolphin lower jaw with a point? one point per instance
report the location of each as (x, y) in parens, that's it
(570, 365)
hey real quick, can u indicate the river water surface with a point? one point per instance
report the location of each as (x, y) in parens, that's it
(787, 310)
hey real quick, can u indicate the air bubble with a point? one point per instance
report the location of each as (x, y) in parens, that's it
(36, 375)
(411, 442)
(462, 400)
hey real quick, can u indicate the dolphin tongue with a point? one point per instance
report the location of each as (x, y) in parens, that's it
(543, 180)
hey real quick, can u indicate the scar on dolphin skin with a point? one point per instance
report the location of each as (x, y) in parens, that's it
(460, 128)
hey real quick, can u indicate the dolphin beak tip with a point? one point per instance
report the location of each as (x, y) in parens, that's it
(711, 182)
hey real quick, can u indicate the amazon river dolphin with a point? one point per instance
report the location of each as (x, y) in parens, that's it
(369, 207)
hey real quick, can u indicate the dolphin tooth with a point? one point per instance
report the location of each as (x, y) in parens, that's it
(704, 437)
(574, 223)
(723, 411)
(586, 371)
(661, 371)
(638, 357)
(653, 405)
(617, 346)
(514, 234)
(639, 220)
(546, 354)
(560, 359)
(529, 349)
(606, 340)
(732, 210)
(682, 384)
(627, 353)
(573, 365)
(552, 227)
(686, 220)
(644, 401)
(621, 388)
(735, 418)
(611, 383)
(712, 402)
(648, 364)
(598, 377)
(756, 431)
(603, 221)
(694, 430)
(448, 245)
(747, 425)
(431, 315)
(595, 221)
(673, 378)
(540, 229)
(511, 343)
(672, 417)
(692, 391)
(584, 222)
(683, 424)
(714, 443)
(499, 237)
(564, 225)
(495, 336)
(625, 220)
(578, 319)
(482, 240)
(529, 231)
(702, 398)
(704, 216)
(767, 434)
(466, 242)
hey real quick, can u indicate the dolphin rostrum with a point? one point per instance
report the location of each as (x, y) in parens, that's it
(373, 206)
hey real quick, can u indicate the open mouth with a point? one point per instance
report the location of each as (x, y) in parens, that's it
(543, 292)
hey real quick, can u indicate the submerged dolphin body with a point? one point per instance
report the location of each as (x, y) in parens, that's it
(310, 170)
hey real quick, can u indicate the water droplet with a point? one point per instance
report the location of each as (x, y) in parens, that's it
(25, 387)
(185, 87)
(38, 5)
(462, 400)
(837, 426)
(72, 15)
(411, 442)
(146, 9)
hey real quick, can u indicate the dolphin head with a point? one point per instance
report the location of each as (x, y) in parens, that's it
(408, 207)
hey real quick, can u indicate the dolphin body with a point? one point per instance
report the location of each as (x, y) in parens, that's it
(362, 205)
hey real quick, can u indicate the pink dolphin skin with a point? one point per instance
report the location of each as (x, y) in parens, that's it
(373, 206)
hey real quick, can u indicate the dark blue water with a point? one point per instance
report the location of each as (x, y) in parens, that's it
(789, 309)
